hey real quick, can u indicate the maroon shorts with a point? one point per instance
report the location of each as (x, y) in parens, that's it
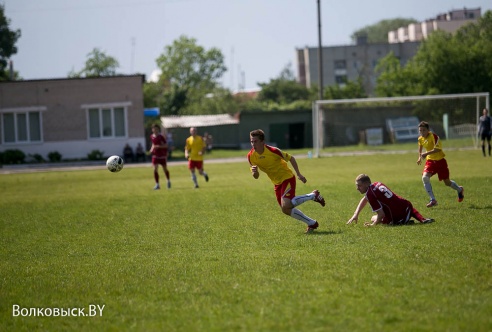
(286, 189)
(192, 164)
(159, 161)
(439, 167)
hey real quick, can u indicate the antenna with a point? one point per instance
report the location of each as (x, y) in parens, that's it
(231, 70)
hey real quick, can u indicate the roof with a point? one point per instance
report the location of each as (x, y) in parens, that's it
(187, 121)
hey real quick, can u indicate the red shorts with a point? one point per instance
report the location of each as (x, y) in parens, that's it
(437, 166)
(192, 164)
(286, 189)
(159, 161)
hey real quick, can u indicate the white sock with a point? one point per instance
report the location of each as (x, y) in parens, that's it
(428, 187)
(193, 177)
(298, 200)
(455, 186)
(297, 214)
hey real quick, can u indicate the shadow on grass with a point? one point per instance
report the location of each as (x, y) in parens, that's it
(324, 233)
(475, 207)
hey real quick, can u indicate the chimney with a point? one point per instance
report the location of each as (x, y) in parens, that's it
(11, 70)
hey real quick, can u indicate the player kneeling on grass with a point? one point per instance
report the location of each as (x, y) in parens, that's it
(273, 162)
(390, 208)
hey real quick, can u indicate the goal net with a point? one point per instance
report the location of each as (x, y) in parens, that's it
(394, 120)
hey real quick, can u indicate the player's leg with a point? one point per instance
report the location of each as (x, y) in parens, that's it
(286, 191)
(191, 167)
(202, 172)
(166, 173)
(455, 186)
(313, 196)
(156, 175)
(488, 141)
(428, 188)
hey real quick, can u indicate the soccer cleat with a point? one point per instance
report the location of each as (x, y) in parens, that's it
(311, 228)
(432, 203)
(157, 187)
(168, 184)
(318, 198)
(196, 186)
(427, 221)
(206, 177)
(461, 195)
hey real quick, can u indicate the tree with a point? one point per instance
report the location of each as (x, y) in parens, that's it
(189, 74)
(284, 89)
(378, 33)
(98, 64)
(349, 90)
(8, 38)
(444, 64)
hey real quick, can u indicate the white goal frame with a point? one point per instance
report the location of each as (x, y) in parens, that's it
(318, 121)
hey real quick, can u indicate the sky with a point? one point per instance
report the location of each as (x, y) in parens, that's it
(258, 38)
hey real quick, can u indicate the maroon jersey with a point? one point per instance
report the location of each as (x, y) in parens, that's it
(396, 208)
(159, 153)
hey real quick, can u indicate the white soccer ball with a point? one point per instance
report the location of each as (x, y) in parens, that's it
(115, 163)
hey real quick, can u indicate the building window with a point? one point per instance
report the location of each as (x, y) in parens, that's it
(21, 125)
(107, 121)
(341, 79)
(340, 64)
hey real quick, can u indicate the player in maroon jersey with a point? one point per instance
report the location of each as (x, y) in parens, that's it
(159, 155)
(390, 208)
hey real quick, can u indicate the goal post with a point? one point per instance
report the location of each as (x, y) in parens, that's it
(340, 121)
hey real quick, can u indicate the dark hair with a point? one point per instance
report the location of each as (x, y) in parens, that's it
(156, 126)
(258, 133)
(423, 124)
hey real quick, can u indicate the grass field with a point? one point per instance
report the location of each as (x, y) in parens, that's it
(224, 258)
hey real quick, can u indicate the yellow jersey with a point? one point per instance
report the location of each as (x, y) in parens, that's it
(430, 142)
(273, 162)
(195, 146)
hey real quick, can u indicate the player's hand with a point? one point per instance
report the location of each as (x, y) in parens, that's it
(419, 161)
(352, 220)
(302, 178)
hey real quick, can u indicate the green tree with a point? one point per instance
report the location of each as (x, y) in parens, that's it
(284, 89)
(444, 64)
(8, 38)
(349, 90)
(378, 33)
(98, 64)
(396, 80)
(189, 74)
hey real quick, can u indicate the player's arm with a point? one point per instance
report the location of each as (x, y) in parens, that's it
(420, 155)
(434, 150)
(377, 219)
(293, 162)
(254, 171)
(355, 217)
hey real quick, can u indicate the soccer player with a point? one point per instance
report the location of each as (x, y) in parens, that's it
(485, 130)
(273, 162)
(159, 155)
(390, 208)
(194, 150)
(435, 163)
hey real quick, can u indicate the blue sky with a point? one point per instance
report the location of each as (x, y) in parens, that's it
(257, 37)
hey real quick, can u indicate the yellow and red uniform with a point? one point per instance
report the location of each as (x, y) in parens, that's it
(273, 162)
(435, 162)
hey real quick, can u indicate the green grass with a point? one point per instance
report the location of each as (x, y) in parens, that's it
(224, 258)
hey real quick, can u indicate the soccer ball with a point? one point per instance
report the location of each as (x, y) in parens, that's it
(114, 163)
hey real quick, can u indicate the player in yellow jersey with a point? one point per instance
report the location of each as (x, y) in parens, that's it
(194, 150)
(435, 163)
(273, 162)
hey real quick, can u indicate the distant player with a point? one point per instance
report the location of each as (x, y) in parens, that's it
(435, 163)
(159, 155)
(485, 130)
(390, 208)
(194, 149)
(273, 162)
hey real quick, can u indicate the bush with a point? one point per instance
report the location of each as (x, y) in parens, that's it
(13, 157)
(54, 156)
(96, 155)
(36, 158)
